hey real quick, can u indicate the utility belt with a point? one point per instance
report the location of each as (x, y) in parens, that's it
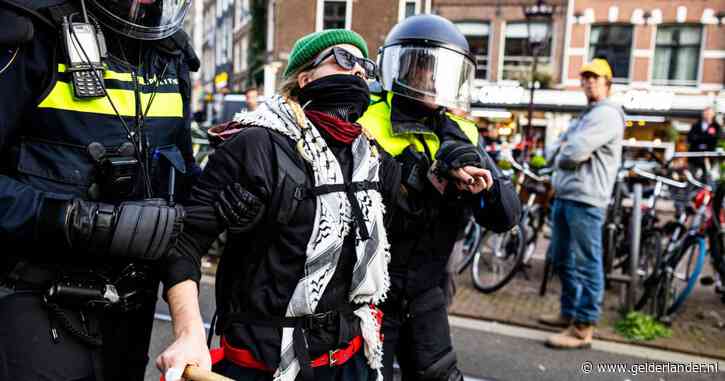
(300, 324)
(87, 289)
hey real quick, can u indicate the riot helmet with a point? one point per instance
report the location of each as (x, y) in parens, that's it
(426, 58)
(141, 19)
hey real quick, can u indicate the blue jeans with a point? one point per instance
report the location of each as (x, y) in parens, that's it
(576, 249)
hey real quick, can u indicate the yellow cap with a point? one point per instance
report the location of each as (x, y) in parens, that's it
(598, 66)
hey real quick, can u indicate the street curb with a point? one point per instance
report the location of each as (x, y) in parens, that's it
(555, 330)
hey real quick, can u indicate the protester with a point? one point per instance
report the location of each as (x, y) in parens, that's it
(302, 192)
(586, 157)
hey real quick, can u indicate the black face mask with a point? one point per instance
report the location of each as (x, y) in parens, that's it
(342, 95)
(413, 109)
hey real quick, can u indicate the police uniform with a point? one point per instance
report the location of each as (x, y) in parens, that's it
(422, 235)
(56, 148)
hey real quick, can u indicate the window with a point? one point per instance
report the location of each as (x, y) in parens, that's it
(244, 53)
(243, 12)
(518, 58)
(333, 15)
(614, 43)
(408, 8)
(677, 55)
(477, 37)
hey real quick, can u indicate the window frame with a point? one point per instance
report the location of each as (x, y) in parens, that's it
(698, 73)
(320, 14)
(543, 60)
(403, 4)
(488, 37)
(630, 63)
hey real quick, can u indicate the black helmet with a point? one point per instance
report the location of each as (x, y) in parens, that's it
(141, 19)
(427, 58)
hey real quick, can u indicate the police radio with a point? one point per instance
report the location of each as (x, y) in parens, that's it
(84, 56)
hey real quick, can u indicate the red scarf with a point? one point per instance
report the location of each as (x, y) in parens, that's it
(340, 130)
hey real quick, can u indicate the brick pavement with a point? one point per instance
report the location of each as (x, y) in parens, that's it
(694, 329)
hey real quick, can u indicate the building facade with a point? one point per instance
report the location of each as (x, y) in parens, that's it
(668, 57)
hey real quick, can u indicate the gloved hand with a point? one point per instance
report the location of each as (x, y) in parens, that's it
(239, 209)
(135, 229)
(454, 154)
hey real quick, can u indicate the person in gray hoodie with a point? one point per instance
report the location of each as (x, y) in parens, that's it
(586, 157)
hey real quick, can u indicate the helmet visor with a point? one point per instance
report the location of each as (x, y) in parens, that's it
(428, 74)
(142, 19)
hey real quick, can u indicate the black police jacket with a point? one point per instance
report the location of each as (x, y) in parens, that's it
(427, 224)
(259, 270)
(45, 132)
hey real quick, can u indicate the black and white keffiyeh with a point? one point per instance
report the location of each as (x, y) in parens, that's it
(333, 217)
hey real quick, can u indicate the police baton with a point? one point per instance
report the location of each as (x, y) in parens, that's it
(194, 373)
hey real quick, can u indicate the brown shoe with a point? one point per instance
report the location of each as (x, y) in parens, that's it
(577, 336)
(555, 320)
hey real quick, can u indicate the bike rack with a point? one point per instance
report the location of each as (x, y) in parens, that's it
(631, 279)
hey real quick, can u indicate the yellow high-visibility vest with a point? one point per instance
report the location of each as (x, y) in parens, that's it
(376, 121)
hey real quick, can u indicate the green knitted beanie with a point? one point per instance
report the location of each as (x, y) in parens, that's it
(309, 46)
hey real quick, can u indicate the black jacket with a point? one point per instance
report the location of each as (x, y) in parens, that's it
(699, 140)
(259, 270)
(426, 224)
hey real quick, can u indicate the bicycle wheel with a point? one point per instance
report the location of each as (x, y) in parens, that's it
(471, 240)
(533, 226)
(716, 236)
(649, 256)
(498, 258)
(612, 228)
(684, 275)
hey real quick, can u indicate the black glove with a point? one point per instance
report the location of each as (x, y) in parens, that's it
(135, 229)
(455, 154)
(239, 209)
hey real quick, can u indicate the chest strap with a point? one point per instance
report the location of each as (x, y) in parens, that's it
(350, 190)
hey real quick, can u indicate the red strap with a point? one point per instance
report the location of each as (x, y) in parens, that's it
(245, 359)
(339, 356)
(242, 357)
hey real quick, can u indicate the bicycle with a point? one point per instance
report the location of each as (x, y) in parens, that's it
(680, 264)
(500, 256)
(716, 235)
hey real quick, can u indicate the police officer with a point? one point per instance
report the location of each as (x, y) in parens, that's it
(95, 147)
(426, 68)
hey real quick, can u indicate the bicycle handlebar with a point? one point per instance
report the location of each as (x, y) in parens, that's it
(698, 154)
(695, 182)
(665, 180)
(527, 172)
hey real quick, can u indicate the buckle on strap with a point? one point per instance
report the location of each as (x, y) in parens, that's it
(331, 357)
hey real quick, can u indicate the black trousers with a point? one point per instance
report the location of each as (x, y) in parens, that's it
(355, 369)
(418, 335)
(28, 352)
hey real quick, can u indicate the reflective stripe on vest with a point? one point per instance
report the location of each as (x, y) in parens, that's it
(376, 121)
(163, 103)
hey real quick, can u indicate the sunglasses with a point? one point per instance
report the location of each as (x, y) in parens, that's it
(347, 61)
